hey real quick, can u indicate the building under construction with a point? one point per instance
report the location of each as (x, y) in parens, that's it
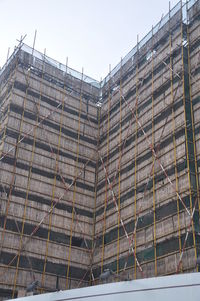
(104, 175)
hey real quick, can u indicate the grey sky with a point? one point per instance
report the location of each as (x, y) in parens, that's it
(91, 33)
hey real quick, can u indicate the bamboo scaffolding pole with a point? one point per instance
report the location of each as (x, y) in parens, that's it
(74, 190)
(106, 184)
(173, 125)
(191, 108)
(186, 133)
(119, 171)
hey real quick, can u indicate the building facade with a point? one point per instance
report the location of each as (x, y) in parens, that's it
(99, 176)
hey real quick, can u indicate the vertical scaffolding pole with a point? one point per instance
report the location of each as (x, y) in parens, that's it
(74, 190)
(188, 129)
(106, 184)
(196, 216)
(191, 107)
(119, 169)
(153, 169)
(174, 127)
(135, 174)
(96, 186)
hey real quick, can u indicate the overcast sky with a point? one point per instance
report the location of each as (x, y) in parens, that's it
(91, 33)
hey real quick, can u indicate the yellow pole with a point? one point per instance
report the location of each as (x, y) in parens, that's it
(192, 118)
(153, 169)
(119, 179)
(74, 191)
(106, 184)
(135, 176)
(186, 134)
(173, 126)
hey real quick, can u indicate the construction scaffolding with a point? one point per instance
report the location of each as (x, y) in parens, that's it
(98, 176)
(158, 174)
